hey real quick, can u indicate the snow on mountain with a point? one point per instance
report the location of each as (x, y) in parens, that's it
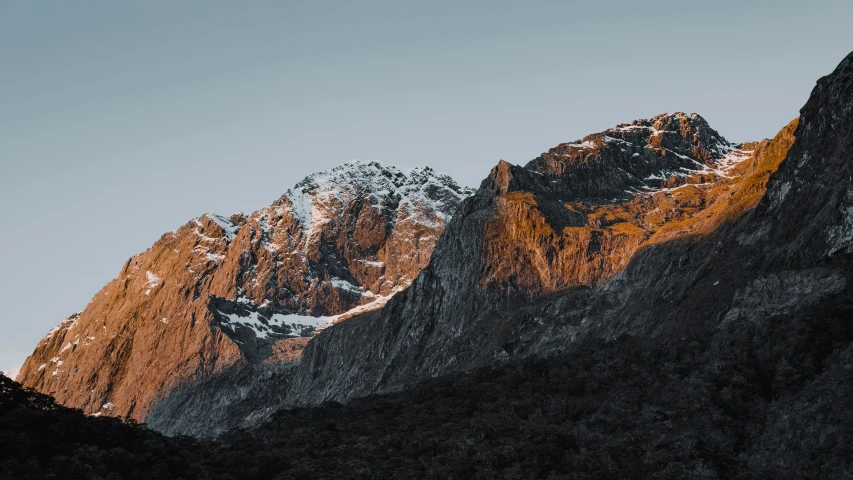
(421, 192)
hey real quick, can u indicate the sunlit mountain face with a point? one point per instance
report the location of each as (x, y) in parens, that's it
(224, 292)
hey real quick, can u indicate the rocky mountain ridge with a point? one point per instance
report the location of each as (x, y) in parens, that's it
(774, 244)
(522, 257)
(722, 349)
(221, 292)
(659, 228)
(541, 269)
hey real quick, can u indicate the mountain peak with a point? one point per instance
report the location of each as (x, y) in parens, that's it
(372, 176)
(693, 118)
(682, 133)
(421, 191)
(667, 150)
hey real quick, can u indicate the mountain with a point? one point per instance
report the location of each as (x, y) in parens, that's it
(723, 243)
(722, 349)
(514, 272)
(549, 238)
(224, 292)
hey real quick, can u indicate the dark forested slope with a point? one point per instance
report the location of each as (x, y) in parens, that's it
(750, 401)
(41, 440)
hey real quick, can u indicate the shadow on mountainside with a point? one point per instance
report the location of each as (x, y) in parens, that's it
(746, 401)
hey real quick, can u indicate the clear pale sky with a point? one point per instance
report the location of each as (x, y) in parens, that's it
(122, 120)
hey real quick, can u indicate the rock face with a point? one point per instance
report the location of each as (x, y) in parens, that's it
(515, 270)
(222, 293)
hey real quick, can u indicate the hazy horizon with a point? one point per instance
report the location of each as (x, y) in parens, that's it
(123, 121)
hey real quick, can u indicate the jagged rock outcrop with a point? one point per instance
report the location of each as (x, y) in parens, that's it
(522, 257)
(222, 293)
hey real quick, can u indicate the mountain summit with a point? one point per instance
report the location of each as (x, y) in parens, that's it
(220, 292)
(644, 156)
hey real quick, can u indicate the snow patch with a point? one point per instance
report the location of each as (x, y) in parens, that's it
(372, 263)
(262, 325)
(721, 168)
(227, 226)
(153, 280)
(66, 324)
(731, 159)
(301, 207)
(342, 284)
(583, 144)
(376, 304)
(300, 325)
(58, 363)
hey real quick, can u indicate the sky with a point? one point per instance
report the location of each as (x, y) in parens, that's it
(120, 121)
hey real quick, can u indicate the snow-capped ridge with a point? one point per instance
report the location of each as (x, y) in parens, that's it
(421, 190)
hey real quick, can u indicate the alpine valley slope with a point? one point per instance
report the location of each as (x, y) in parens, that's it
(515, 270)
(220, 293)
